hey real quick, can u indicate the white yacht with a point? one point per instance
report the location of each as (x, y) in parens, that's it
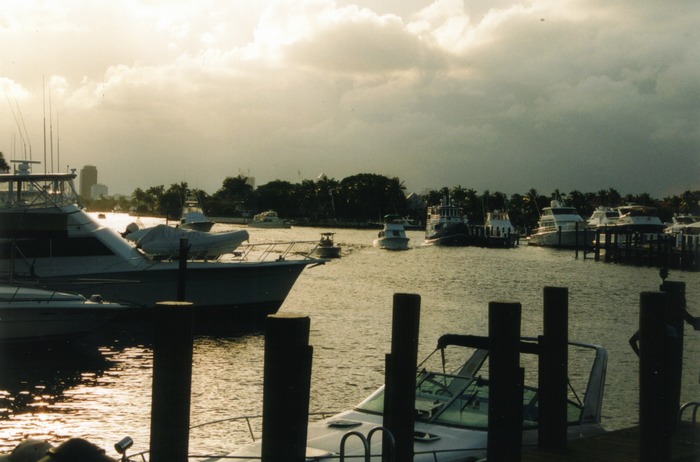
(46, 236)
(393, 235)
(558, 226)
(499, 231)
(681, 224)
(603, 216)
(269, 219)
(31, 314)
(639, 219)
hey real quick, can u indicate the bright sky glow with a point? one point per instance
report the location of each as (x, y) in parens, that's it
(486, 94)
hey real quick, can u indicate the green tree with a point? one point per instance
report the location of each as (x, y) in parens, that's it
(4, 166)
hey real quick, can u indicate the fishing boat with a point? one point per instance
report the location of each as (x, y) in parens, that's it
(47, 237)
(326, 247)
(268, 219)
(446, 225)
(393, 235)
(193, 216)
(32, 314)
(452, 407)
(559, 226)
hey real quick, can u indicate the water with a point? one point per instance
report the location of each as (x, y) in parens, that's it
(104, 394)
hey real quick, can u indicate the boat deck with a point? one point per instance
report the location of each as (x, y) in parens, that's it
(615, 446)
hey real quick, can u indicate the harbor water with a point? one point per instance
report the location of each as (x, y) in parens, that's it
(103, 392)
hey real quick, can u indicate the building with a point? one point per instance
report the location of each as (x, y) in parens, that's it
(98, 190)
(88, 178)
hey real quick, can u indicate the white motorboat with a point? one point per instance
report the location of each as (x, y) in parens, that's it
(639, 219)
(558, 226)
(452, 406)
(268, 219)
(30, 314)
(602, 217)
(193, 216)
(681, 224)
(499, 231)
(326, 247)
(446, 225)
(163, 241)
(46, 236)
(393, 235)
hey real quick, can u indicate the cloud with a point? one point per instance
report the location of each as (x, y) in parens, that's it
(494, 95)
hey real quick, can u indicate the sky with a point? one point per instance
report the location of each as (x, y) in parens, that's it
(491, 95)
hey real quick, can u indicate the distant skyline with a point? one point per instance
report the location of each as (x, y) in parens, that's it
(487, 94)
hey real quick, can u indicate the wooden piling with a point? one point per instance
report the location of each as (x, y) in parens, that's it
(286, 385)
(506, 383)
(655, 434)
(400, 390)
(553, 370)
(172, 378)
(675, 310)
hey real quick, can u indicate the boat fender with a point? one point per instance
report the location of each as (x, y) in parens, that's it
(29, 450)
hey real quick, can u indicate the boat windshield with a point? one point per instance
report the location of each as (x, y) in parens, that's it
(37, 191)
(463, 402)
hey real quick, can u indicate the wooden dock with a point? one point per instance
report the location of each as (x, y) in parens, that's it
(615, 446)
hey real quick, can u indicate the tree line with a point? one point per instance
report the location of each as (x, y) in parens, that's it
(368, 197)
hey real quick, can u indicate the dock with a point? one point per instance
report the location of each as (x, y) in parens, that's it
(614, 446)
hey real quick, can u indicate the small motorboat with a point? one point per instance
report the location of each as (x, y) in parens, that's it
(30, 314)
(326, 247)
(452, 406)
(393, 234)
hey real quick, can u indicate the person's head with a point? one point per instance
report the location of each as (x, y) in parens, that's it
(75, 450)
(29, 450)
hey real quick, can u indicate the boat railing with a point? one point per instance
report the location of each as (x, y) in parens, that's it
(280, 251)
(693, 407)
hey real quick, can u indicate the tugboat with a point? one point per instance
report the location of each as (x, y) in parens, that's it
(446, 225)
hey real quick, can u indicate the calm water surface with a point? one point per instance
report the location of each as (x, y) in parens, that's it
(104, 393)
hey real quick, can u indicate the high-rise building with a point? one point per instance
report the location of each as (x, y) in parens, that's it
(88, 178)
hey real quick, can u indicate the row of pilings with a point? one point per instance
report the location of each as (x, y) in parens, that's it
(287, 378)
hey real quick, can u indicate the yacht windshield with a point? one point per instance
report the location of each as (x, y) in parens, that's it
(460, 401)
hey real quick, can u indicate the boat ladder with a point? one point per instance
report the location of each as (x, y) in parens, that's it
(694, 406)
(367, 443)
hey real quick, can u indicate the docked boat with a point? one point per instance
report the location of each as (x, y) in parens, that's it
(499, 231)
(559, 226)
(163, 241)
(681, 224)
(639, 219)
(31, 314)
(193, 216)
(393, 235)
(446, 225)
(602, 217)
(452, 406)
(326, 247)
(268, 219)
(46, 236)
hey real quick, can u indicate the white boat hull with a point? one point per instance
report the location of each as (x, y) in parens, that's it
(31, 315)
(566, 238)
(392, 243)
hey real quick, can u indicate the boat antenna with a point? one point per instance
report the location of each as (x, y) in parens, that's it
(43, 103)
(18, 118)
(51, 129)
